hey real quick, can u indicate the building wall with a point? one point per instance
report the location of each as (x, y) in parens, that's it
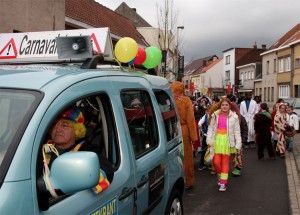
(32, 15)
(269, 79)
(257, 86)
(151, 35)
(296, 78)
(248, 82)
(229, 67)
(284, 52)
(215, 76)
(283, 77)
(186, 81)
(196, 80)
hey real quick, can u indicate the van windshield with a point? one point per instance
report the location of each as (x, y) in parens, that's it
(16, 108)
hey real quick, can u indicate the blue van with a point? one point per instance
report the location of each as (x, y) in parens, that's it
(131, 120)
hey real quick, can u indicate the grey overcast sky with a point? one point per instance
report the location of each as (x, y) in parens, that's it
(212, 26)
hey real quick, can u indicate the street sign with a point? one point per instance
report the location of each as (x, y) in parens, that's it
(180, 65)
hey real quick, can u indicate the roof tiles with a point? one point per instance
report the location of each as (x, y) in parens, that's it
(97, 15)
(283, 40)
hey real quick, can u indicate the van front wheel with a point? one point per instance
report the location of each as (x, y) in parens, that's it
(174, 206)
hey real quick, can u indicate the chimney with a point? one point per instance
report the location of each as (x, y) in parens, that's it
(255, 46)
(204, 63)
(264, 47)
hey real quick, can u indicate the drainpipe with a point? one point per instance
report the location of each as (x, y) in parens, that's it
(292, 70)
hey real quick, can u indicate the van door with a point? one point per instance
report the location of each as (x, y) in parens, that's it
(148, 151)
(92, 96)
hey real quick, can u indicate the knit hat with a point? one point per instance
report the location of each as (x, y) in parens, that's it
(77, 121)
(73, 114)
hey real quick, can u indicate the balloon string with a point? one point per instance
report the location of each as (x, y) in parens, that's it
(131, 68)
(118, 63)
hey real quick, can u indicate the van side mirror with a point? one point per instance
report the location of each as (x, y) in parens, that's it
(75, 171)
(70, 172)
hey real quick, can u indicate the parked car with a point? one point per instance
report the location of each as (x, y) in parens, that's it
(125, 123)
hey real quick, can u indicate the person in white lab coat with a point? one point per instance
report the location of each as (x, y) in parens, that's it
(248, 109)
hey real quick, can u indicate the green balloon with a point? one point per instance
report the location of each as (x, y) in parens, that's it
(153, 57)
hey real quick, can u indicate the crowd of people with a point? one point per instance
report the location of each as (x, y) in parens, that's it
(229, 125)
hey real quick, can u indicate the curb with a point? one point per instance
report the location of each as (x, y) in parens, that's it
(296, 151)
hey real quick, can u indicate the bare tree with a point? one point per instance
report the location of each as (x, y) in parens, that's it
(168, 37)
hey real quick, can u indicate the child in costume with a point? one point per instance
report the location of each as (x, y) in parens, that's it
(279, 126)
(263, 138)
(292, 120)
(224, 135)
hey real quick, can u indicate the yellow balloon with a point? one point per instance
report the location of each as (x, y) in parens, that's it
(126, 49)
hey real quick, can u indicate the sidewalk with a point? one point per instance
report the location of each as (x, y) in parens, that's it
(292, 162)
(296, 151)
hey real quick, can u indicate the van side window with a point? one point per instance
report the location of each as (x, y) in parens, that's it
(141, 121)
(93, 122)
(101, 130)
(168, 113)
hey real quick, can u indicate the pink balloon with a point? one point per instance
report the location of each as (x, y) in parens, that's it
(140, 56)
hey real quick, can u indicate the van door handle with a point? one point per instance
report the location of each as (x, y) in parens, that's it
(127, 193)
(143, 181)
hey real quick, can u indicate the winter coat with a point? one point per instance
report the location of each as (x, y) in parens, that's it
(262, 124)
(233, 129)
(249, 115)
(244, 129)
(293, 120)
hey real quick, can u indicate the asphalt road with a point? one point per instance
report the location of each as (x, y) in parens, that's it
(262, 189)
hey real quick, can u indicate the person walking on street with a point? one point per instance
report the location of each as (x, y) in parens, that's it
(279, 126)
(203, 125)
(237, 157)
(262, 126)
(248, 109)
(224, 135)
(292, 120)
(197, 143)
(189, 132)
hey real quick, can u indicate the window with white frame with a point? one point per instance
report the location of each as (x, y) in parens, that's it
(284, 91)
(288, 64)
(281, 64)
(297, 63)
(274, 66)
(252, 74)
(227, 60)
(267, 67)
